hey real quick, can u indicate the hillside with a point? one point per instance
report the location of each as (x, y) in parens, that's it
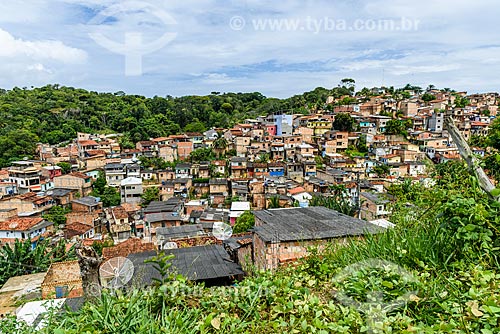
(440, 262)
(53, 114)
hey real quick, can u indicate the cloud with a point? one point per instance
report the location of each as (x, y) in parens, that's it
(453, 46)
(49, 50)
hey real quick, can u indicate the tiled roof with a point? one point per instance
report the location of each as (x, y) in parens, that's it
(79, 175)
(119, 212)
(20, 224)
(87, 142)
(76, 229)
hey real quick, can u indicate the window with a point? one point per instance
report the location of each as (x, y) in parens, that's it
(61, 291)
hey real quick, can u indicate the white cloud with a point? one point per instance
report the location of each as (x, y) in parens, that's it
(447, 49)
(51, 50)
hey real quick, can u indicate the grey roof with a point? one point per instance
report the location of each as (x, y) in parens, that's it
(182, 166)
(162, 216)
(114, 166)
(59, 192)
(311, 223)
(88, 200)
(213, 215)
(238, 159)
(179, 232)
(195, 263)
(218, 181)
(170, 205)
(375, 198)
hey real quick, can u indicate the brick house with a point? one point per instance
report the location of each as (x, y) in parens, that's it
(76, 181)
(130, 246)
(63, 280)
(373, 206)
(28, 203)
(24, 228)
(119, 223)
(283, 235)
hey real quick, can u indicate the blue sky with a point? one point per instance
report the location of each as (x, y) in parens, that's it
(199, 46)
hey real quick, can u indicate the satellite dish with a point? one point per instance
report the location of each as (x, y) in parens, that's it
(222, 231)
(170, 245)
(116, 272)
(13, 225)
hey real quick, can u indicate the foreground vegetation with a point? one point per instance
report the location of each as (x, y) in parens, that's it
(444, 248)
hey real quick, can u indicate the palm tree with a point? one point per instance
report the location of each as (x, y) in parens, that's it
(220, 144)
(274, 202)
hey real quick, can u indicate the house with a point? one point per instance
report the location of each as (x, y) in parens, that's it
(86, 210)
(86, 204)
(119, 223)
(25, 175)
(131, 190)
(27, 204)
(78, 230)
(239, 167)
(182, 170)
(80, 182)
(24, 228)
(50, 172)
(374, 206)
(209, 264)
(61, 196)
(276, 169)
(283, 235)
(237, 209)
(63, 280)
(84, 146)
(164, 213)
(129, 246)
(7, 189)
(219, 189)
(115, 173)
(164, 235)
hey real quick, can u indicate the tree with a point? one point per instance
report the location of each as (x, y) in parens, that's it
(344, 122)
(494, 134)
(395, 127)
(428, 97)
(99, 184)
(110, 197)
(56, 214)
(244, 222)
(461, 101)
(338, 201)
(220, 145)
(65, 167)
(274, 202)
(263, 157)
(150, 194)
(381, 170)
(201, 154)
(21, 259)
(195, 126)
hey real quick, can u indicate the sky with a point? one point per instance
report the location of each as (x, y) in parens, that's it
(278, 48)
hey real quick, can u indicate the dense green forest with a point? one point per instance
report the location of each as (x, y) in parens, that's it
(53, 114)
